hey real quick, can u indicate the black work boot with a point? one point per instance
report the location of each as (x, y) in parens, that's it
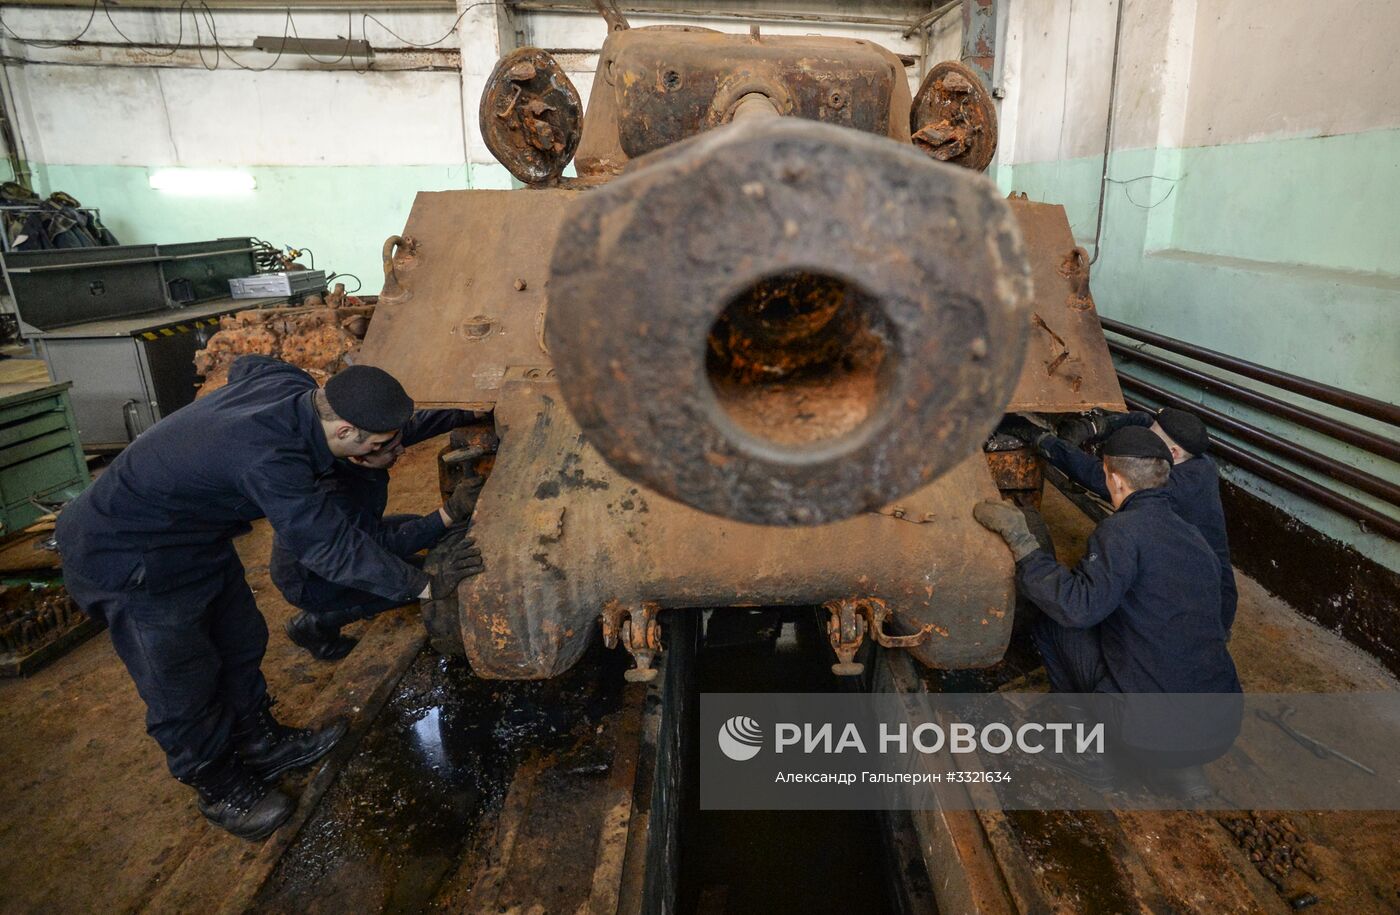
(324, 643)
(269, 748)
(232, 798)
(1188, 785)
(1092, 769)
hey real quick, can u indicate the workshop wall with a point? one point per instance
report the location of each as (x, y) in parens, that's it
(337, 154)
(1255, 153)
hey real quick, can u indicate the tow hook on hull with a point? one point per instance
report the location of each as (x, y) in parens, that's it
(851, 619)
(637, 627)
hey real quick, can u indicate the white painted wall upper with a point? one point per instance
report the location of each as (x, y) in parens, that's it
(1292, 68)
(1287, 68)
(110, 104)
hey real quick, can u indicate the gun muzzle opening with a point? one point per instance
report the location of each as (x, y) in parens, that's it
(801, 358)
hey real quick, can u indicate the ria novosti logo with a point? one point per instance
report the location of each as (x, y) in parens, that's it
(740, 738)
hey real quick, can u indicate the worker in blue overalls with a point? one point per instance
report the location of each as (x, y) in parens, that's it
(148, 549)
(1193, 487)
(1139, 614)
(359, 486)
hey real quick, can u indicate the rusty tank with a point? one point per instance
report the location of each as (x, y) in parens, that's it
(753, 354)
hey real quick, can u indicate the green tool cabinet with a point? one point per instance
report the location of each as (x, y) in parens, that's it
(41, 460)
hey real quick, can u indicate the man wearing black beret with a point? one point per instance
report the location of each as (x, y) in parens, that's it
(1140, 613)
(148, 549)
(359, 486)
(1193, 487)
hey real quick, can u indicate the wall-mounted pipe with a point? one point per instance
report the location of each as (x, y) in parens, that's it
(1323, 393)
(1342, 473)
(1360, 438)
(1107, 125)
(1367, 517)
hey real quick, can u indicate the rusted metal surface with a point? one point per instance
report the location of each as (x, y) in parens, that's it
(673, 85)
(852, 619)
(462, 322)
(953, 118)
(727, 68)
(1075, 268)
(455, 324)
(638, 630)
(563, 536)
(608, 9)
(901, 365)
(320, 338)
(1067, 368)
(483, 241)
(1015, 470)
(846, 630)
(531, 116)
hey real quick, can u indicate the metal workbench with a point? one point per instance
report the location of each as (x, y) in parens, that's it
(128, 372)
(122, 323)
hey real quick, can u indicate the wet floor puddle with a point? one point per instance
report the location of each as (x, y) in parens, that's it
(435, 765)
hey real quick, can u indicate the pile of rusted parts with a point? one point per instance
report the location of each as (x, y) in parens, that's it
(754, 354)
(321, 335)
(32, 618)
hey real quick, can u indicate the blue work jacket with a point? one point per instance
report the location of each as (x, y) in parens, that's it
(1148, 581)
(163, 516)
(363, 494)
(1194, 490)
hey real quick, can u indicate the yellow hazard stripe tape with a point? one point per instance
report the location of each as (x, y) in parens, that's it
(178, 328)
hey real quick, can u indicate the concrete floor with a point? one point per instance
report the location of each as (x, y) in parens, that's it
(93, 822)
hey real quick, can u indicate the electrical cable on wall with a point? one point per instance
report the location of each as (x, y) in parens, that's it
(200, 10)
(1128, 182)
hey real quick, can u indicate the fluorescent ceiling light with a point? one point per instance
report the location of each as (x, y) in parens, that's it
(202, 181)
(340, 47)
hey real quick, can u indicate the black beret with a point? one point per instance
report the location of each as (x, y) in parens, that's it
(369, 398)
(1138, 442)
(1186, 429)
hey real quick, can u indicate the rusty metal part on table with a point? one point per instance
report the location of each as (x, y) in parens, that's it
(319, 336)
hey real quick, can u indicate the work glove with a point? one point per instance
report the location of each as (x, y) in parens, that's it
(460, 504)
(1018, 427)
(459, 562)
(1008, 522)
(1079, 431)
(1098, 425)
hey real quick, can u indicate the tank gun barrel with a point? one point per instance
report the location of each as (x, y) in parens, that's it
(787, 322)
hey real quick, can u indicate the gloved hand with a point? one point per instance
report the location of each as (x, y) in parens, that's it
(461, 561)
(1078, 431)
(459, 505)
(1097, 425)
(1019, 427)
(1007, 521)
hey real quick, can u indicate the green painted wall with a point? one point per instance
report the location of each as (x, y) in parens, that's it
(1326, 201)
(342, 213)
(1282, 252)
